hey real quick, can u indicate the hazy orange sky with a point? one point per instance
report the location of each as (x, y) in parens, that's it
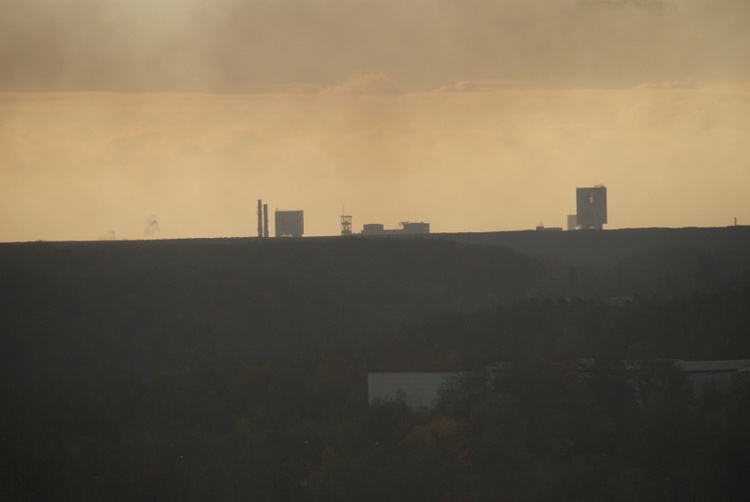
(139, 119)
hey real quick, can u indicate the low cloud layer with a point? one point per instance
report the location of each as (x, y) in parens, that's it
(421, 45)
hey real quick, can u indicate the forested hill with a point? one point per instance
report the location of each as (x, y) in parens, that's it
(607, 248)
(142, 304)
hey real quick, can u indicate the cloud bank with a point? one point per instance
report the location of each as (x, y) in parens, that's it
(246, 46)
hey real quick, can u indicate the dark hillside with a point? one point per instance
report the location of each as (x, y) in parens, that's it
(148, 304)
(604, 249)
(142, 305)
(647, 262)
(695, 328)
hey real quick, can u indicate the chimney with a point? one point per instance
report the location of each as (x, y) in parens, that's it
(265, 220)
(260, 218)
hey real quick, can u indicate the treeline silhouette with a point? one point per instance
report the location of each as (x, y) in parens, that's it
(237, 370)
(144, 305)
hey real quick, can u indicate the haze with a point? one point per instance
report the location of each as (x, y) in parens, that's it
(134, 119)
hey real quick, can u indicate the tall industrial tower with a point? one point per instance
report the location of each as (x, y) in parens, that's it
(260, 218)
(346, 225)
(265, 221)
(591, 207)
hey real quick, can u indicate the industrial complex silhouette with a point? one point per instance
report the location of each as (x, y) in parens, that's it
(286, 223)
(591, 214)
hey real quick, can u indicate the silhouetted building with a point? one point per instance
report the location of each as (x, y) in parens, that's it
(542, 228)
(373, 229)
(572, 222)
(591, 207)
(415, 228)
(407, 228)
(290, 223)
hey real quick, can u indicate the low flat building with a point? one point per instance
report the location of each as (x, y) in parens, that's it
(407, 228)
(418, 390)
(421, 390)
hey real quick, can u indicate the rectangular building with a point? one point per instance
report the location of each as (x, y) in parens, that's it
(290, 223)
(591, 207)
(415, 228)
(407, 228)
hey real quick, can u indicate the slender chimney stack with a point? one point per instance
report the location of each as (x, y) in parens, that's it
(260, 218)
(265, 220)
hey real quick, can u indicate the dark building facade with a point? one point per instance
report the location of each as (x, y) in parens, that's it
(407, 228)
(290, 223)
(591, 207)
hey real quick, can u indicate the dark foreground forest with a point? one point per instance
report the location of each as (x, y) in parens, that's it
(237, 369)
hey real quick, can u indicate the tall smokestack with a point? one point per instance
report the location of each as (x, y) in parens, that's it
(265, 220)
(260, 218)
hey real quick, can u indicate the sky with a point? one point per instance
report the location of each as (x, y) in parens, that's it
(134, 119)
